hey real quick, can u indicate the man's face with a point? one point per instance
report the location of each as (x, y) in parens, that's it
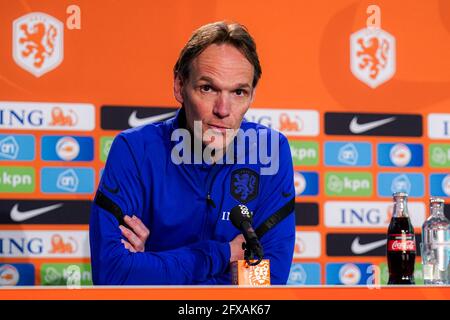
(217, 93)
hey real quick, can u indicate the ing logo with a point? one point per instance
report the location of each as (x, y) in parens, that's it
(287, 124)
(300, 245)
(60, 118)
(60, 246)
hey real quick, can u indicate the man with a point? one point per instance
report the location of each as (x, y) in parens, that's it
(161, 214)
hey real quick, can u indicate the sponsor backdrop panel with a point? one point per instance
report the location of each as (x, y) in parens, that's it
(365, 109)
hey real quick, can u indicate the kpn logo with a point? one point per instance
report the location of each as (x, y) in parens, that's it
(304, 153)
(439, 155)
(17, 179)
(348, 184)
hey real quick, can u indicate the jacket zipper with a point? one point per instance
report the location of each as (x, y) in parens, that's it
(209, 183)
(210, 201)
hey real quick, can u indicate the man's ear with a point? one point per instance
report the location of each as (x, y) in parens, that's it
(178, 84)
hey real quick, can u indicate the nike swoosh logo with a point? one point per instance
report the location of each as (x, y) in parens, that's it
(356, 128)
(358, 248)
(19, 216)
(134, 121)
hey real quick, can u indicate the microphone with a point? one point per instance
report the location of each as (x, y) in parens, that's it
(241, 218)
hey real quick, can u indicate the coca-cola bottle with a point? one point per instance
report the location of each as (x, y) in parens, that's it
(401, 244)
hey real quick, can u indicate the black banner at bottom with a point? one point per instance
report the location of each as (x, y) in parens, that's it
(217, 309)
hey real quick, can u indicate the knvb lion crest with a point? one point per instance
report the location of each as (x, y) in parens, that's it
(372, 56)
(259, 275)
(38, 42)
(244, 185)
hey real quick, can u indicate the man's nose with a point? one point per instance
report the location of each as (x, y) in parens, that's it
(222, 106)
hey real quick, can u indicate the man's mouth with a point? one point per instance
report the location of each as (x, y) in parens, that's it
(218, 128)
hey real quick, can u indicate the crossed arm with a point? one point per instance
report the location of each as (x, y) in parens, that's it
(139, 234)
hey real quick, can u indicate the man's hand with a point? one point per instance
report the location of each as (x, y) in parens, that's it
(136, 237)
(237, 253)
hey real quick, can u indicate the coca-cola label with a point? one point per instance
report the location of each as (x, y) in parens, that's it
(401, 242)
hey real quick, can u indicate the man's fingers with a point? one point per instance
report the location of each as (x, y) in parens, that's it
(128, 246)
(137, 235)
(236, 250)
(138, 227)
(132, 238)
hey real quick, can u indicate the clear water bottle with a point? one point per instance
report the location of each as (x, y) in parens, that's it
(436, 245)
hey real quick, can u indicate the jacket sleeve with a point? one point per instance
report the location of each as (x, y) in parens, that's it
(112, 263)
(276, 192)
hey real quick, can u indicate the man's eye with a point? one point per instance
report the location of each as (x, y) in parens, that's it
(240, 92)
(206, 88)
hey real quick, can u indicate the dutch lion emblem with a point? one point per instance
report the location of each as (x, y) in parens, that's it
(244, 185)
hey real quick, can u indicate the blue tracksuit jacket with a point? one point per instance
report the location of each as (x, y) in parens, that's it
(186, 209)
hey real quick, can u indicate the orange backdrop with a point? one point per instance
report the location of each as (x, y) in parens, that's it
(124, 52)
